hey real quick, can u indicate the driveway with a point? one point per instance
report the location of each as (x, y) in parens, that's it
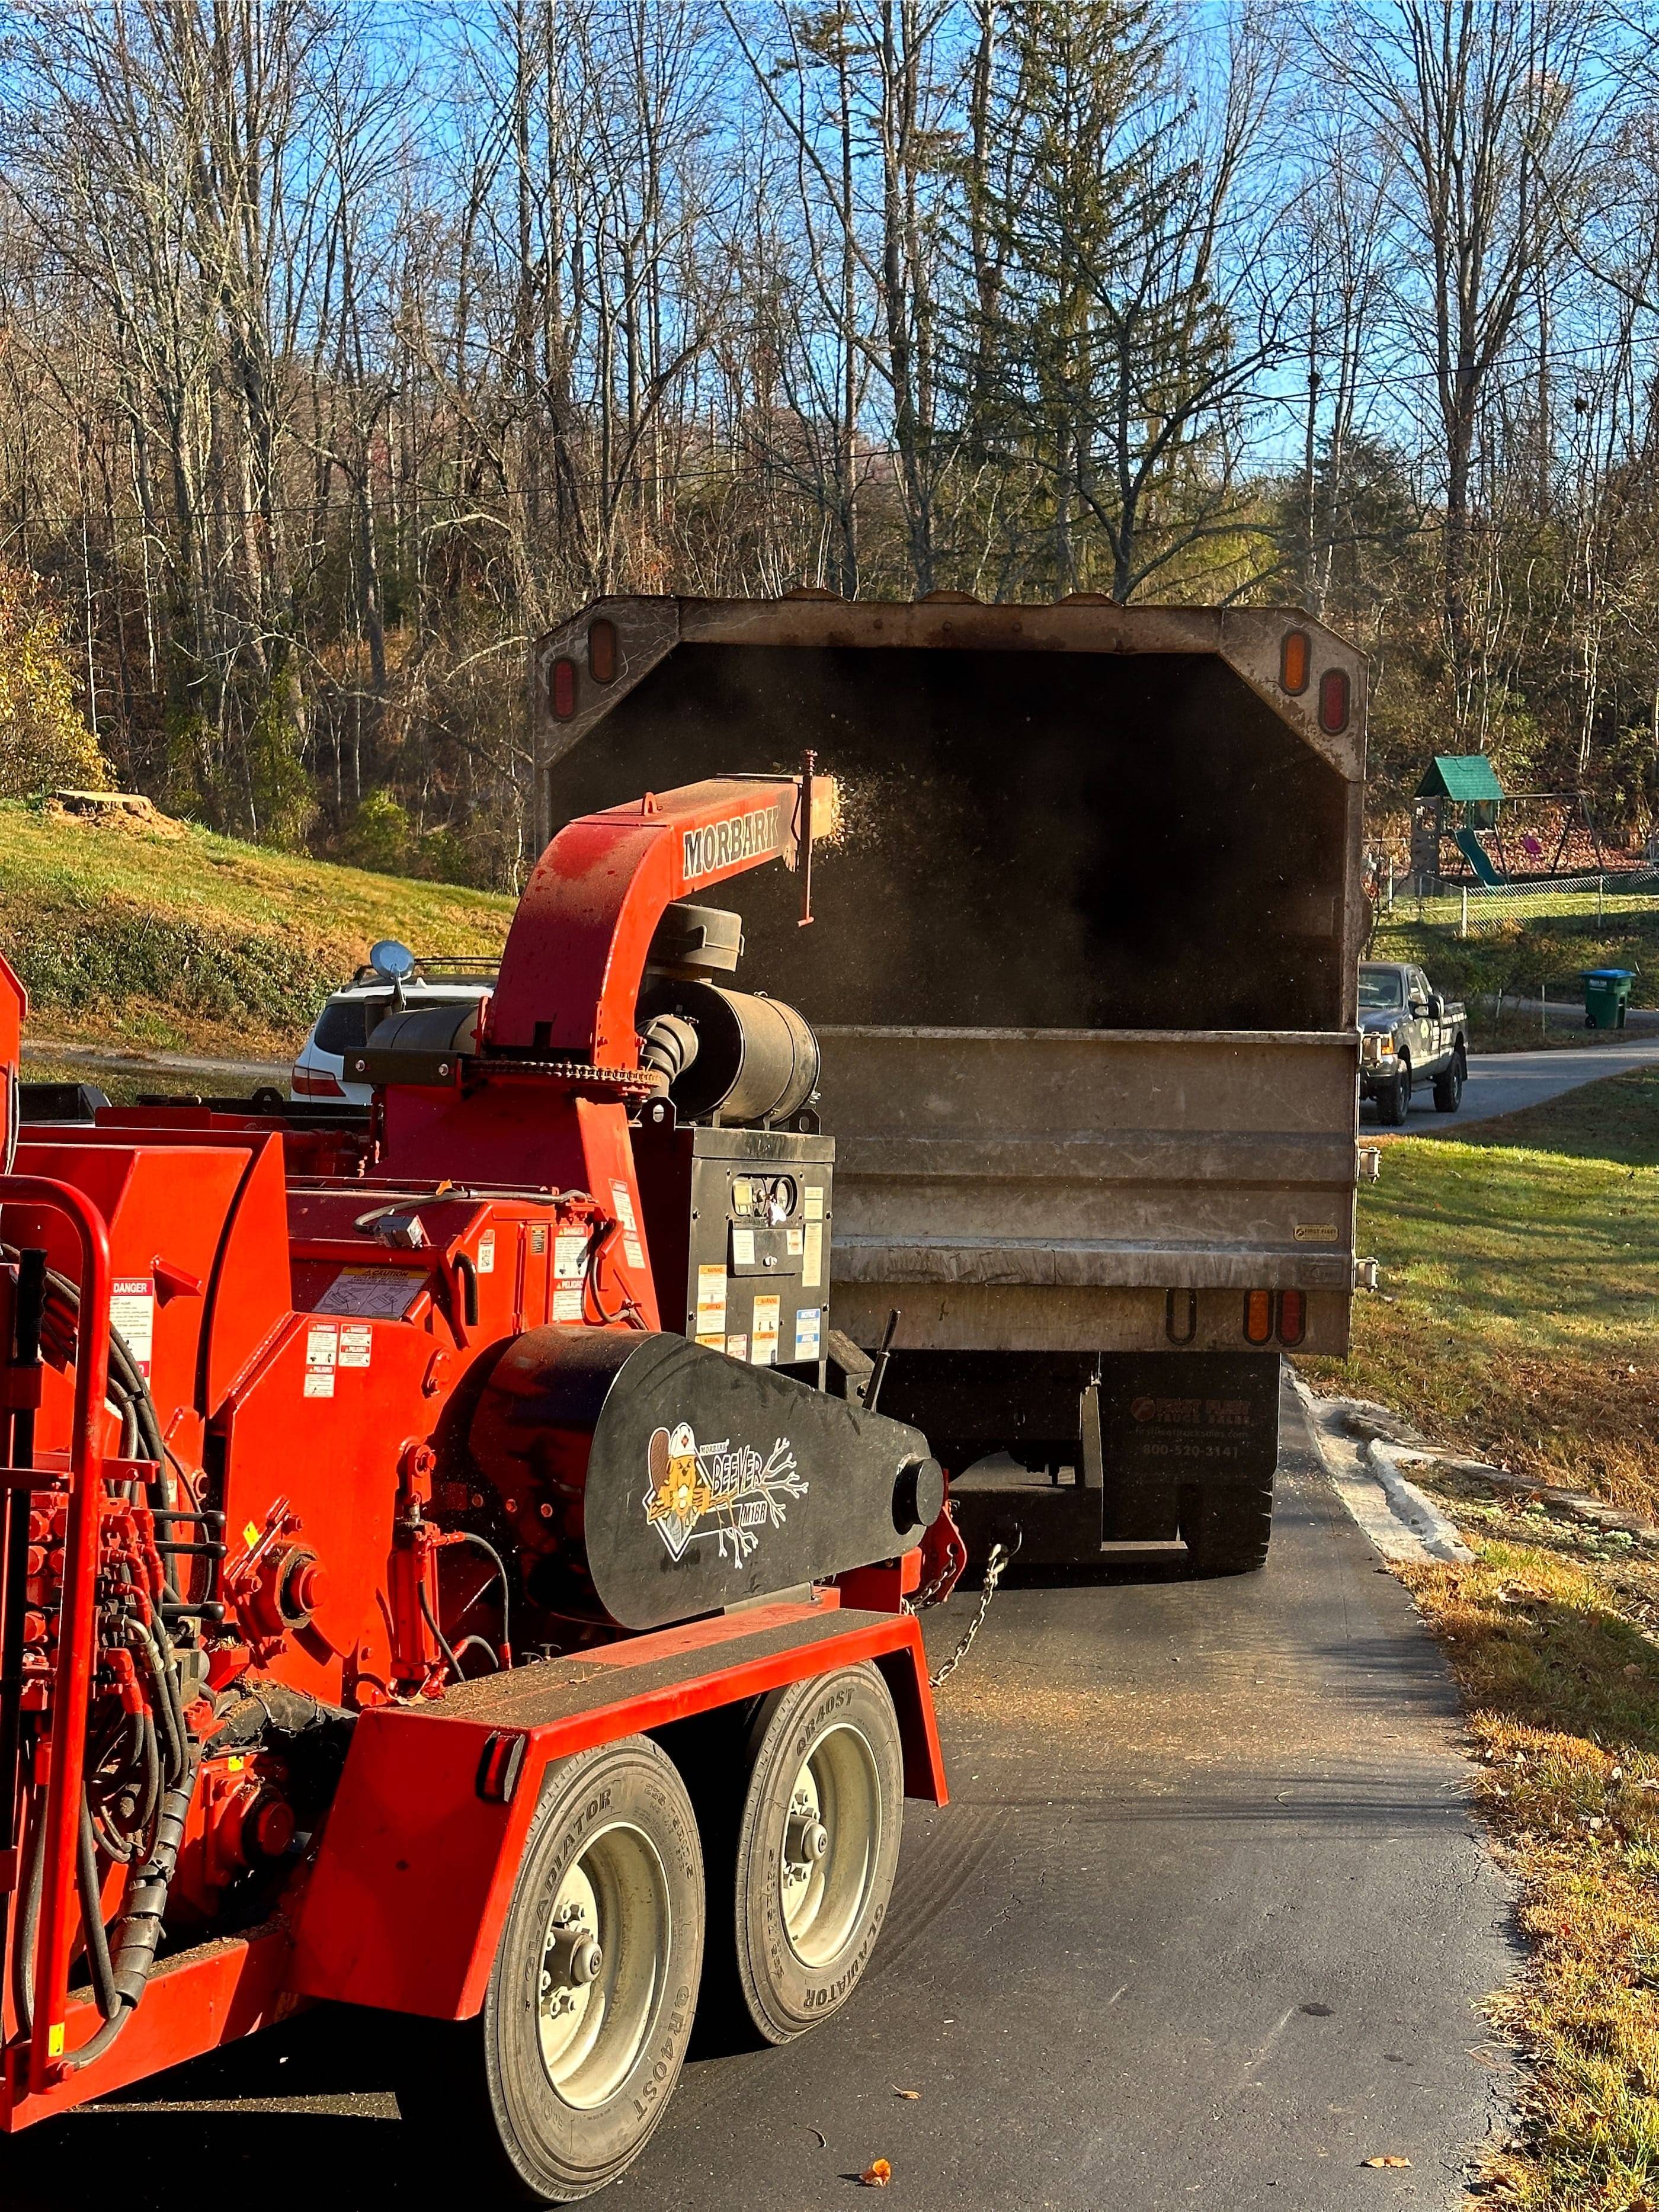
(1503, 1082)
(1208, 1924)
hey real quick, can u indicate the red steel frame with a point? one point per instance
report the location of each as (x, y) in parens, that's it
(72, 1681)
(340, 1940)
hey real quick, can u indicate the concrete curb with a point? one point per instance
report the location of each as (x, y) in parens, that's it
(1367, 1427)
(1365, 1472)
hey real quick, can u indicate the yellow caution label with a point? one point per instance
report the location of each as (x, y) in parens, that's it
(251, 1534)
(55, 2039)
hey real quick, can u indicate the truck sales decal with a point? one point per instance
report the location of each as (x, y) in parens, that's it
(725, 844)
(723, 1491)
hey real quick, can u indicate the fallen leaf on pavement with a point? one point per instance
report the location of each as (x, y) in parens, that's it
(1391, 2158)
(909, 2095)
(876, 2174)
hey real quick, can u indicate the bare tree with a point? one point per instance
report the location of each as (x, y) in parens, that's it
(1477, 97)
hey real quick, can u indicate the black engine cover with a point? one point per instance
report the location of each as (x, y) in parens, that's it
(649, 1479)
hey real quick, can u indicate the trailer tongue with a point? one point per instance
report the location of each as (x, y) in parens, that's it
(423, 1545)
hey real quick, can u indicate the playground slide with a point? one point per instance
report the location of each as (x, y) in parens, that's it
(1477, 856)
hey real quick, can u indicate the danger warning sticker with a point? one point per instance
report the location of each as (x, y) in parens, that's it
(711, 1301)
(765, 1330)
(322, 1357)
(133, 1311)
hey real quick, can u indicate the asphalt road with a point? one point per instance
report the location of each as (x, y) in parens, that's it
(1503, 1082)
(1208, 1925)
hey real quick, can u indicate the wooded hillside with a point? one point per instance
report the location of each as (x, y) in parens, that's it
(345, 344)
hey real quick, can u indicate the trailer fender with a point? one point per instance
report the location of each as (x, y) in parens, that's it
(413, 1868)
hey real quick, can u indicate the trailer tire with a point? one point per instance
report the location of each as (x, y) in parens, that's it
(1227, 1532)
(802, 1891)
(542, 2101)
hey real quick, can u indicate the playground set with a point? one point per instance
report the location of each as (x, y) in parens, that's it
(1495, 837)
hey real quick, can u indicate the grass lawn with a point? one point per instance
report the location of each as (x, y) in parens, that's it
(1521, 1289)
(178, 940)
(1523, 957)
(1520, 1274)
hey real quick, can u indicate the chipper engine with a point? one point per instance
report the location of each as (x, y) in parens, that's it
(445, 1567)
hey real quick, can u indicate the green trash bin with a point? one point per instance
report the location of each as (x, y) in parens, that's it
(1607, 995)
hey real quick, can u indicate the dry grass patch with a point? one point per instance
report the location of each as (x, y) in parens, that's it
(1563, 1686)
(1521, 1271)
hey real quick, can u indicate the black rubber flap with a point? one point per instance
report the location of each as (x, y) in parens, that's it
(703, 1482)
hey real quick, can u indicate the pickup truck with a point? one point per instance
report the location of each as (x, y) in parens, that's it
(1408, 1035)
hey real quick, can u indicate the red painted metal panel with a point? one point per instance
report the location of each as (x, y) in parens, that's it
(571, 967)
(408, 1827)
(194, 2003)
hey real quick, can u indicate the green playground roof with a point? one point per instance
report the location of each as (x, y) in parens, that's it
(1460, 775)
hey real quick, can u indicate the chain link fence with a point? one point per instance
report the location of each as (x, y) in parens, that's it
(1485, 910)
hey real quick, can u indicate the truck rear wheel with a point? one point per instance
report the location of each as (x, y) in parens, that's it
(1227, 1532)
(817, 1849)
(559, 2084)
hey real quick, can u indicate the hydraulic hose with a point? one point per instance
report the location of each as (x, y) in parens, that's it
(484, 1545)
(273, 1708)
(139, 1934)
(91, 1917)
(167, 1777)
(28, 1921)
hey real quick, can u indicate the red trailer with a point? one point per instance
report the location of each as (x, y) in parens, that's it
(444, 1567)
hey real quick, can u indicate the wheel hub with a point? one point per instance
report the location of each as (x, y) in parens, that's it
(574, 1959)
(831, 1844)
(806, 1841)
(604, 1959)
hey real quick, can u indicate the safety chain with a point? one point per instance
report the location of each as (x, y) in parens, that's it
(1001, 1556)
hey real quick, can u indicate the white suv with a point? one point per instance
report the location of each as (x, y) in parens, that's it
(393, 980)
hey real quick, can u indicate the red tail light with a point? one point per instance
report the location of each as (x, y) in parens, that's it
(1295, 661)
(1334, 701)
(1292, 1316)
(563, 688)
(1181, 1316)
(315, 1082)
(602, 651)
(499, 1765)
(1258, 1316)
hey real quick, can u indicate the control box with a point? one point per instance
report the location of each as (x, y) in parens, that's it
(738, 1225)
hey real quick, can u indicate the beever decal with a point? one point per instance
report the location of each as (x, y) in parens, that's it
(725, 1491)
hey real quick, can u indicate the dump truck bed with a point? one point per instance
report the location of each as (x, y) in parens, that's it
(1085, 971)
